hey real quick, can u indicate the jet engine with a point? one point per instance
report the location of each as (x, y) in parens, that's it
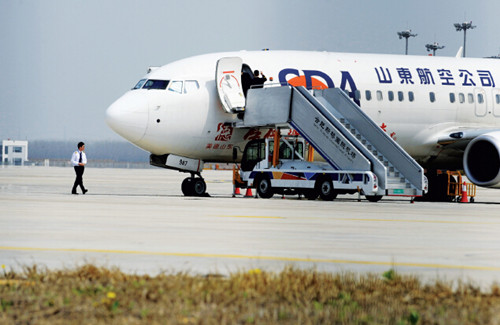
(482, 160)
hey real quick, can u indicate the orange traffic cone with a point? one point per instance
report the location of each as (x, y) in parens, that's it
(464, 193)
(236, 190)
(249, 192)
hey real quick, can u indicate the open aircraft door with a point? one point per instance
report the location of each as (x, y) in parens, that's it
(229, 87)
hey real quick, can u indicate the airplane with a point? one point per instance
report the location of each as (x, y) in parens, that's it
(444, 111)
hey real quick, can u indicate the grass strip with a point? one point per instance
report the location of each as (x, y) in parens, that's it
(97, 295)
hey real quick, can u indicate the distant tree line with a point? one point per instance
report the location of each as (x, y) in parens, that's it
(95, 150)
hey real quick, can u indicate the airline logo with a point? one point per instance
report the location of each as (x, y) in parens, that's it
(224, 132)
(315, 79)
(426, 76)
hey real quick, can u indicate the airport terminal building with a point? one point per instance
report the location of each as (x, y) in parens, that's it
(14, 152)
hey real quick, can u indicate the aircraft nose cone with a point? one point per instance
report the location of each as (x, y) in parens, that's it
(128, 116)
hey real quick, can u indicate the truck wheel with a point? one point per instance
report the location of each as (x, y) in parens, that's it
(325, 189)
(373, 198)
(264, 187)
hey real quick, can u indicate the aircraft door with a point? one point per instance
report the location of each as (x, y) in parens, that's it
(229, 87)
(480, 102)
(496, 102)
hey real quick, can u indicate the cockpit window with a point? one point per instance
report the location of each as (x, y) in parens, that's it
(156, 84)
(140, 84)
(191, 86)
(176, 86)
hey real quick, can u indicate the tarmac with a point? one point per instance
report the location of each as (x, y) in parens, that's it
(139, 221)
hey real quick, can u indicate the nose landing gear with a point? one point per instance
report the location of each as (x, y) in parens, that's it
(194, 186)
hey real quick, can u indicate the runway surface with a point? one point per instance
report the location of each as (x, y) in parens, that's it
(138, 220)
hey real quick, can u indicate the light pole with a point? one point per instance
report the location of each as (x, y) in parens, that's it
(406, 34)
(433, 47)
(464, 26)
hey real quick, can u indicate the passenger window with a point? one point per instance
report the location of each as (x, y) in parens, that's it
(471, 98)
(368, 95)
(391, 95)
(480, 98)
(432, 97)
(191, 86)
(411, 96)
(452, 97)
(461, 98)
(357, 94)
(176, 87)
(379, 95)
(401, 96)
(498, 98)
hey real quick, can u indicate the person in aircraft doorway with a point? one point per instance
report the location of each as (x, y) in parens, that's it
(258, 81)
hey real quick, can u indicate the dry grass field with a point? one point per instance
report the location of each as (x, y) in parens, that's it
(94, 295)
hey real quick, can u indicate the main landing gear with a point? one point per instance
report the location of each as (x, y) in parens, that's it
(194, 186)
(446, 186)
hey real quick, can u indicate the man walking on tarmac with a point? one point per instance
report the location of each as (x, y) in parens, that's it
(79, 160)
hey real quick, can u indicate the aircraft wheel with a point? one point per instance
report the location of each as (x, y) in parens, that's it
(193, 186)
(187, 186)
(438, 188)
(199, 187)
(325, 188)
(373, 198)
(264, 188)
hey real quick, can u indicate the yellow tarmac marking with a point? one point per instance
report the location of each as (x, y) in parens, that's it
(269, 258)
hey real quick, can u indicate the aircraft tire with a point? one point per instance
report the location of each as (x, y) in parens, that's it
(187, 186)
(438, 187)
(324, 187)
(264, 188)
(199, 187)
(193, 186)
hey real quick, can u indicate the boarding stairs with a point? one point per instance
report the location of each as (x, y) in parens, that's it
(340, 131)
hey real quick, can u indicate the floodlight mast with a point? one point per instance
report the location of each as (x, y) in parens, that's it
(464, 26)
(433, 47)
(406, 34)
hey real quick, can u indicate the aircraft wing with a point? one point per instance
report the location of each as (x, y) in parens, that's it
(460, 138)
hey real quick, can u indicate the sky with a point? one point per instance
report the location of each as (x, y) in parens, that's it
(63, 62)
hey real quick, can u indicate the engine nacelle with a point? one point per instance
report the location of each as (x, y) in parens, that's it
(482, 160)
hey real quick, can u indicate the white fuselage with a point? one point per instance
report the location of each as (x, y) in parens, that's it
(415, 99)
